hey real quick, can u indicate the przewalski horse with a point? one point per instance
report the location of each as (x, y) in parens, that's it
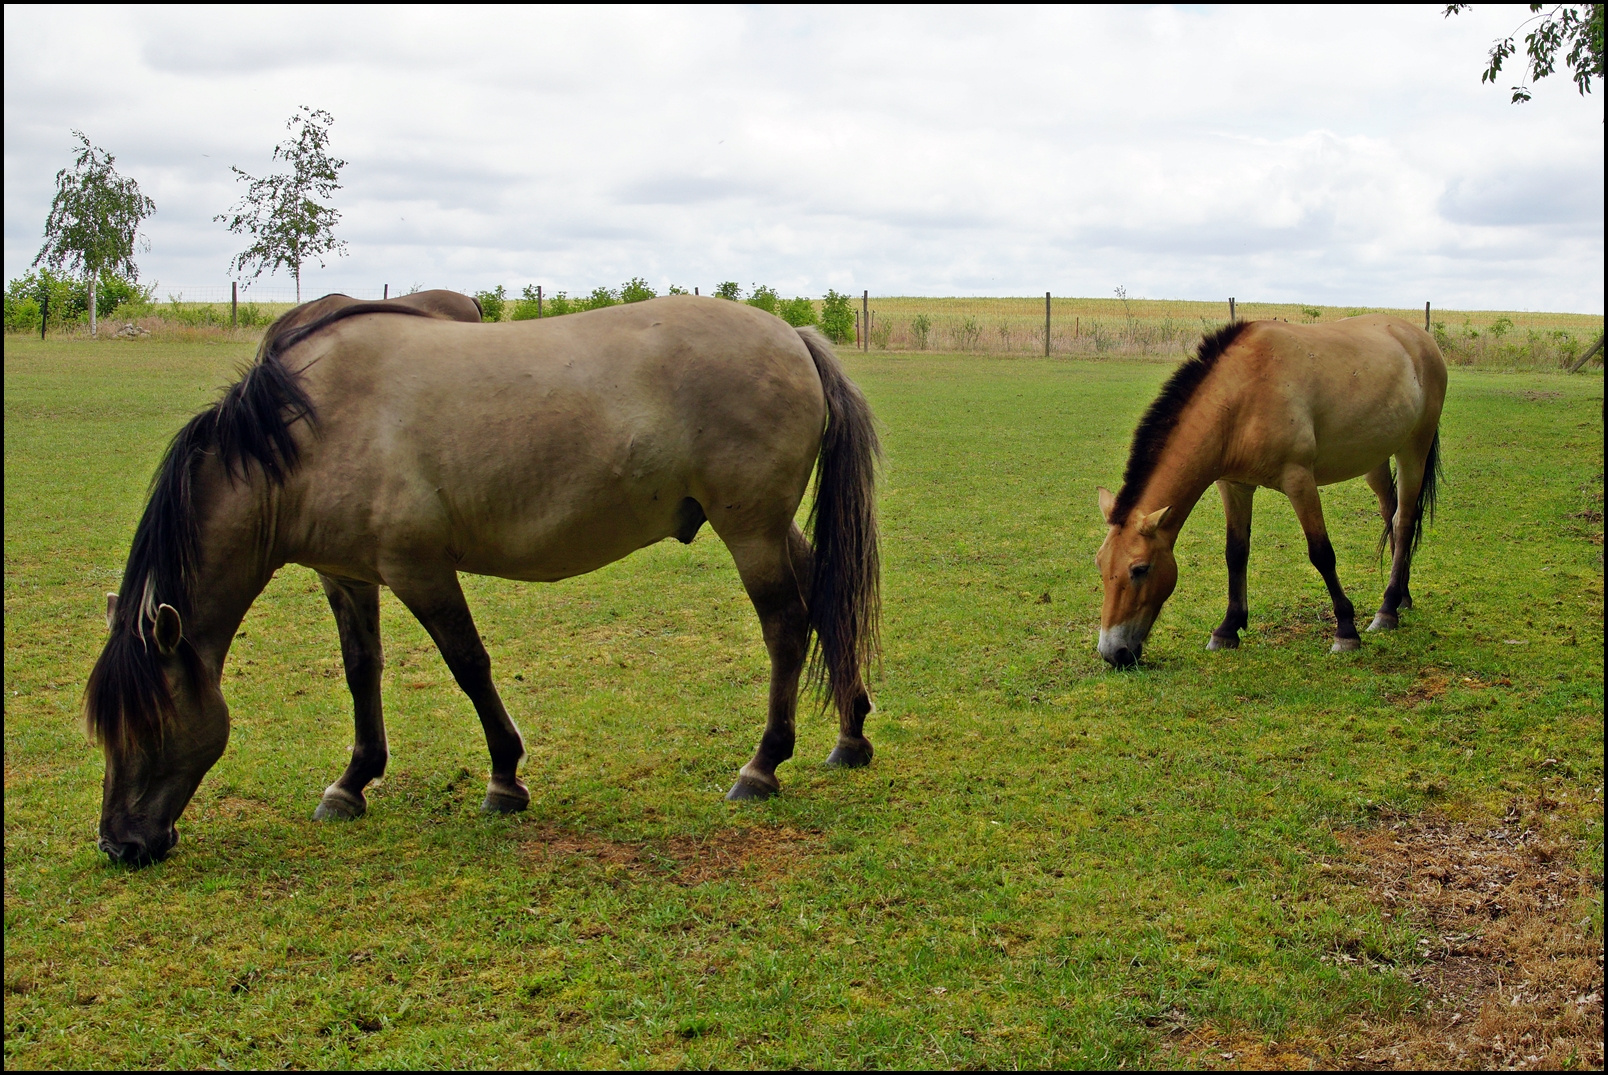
(392, 450)
(1279, 406)
(439, 302)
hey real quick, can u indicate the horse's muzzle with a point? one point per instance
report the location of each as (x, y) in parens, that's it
(140, 851)
(1121, 646)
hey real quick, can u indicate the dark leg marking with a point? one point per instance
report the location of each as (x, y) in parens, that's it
(1237, 551)
(357, 616)
(776, 575)
(439, 605)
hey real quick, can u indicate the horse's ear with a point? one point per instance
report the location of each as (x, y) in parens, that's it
(168, 630)
(1108, 501)
(1152, 522)
(111, 609)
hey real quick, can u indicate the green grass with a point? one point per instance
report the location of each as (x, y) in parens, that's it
(1044, 858)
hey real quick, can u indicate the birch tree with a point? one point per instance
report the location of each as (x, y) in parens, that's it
(288, 215)
(94, 221)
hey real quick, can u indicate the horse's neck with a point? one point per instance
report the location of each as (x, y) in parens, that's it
(1190, 463)
(232, 571)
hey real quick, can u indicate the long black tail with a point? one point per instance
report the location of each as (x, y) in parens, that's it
(1428, 491)
(1424, 510)
(846, 594)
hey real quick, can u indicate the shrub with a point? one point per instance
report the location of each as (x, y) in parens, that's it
(796, 312)
(968, 335)
(636, 290)
(1311, 313)
(599, 298)
(763, 298)
(526, 307)
(881, 332)
(560, 304)
(837, 317)
(728, 290)
(674, 290)
(919, 330)
(69, 298)
(492, 303)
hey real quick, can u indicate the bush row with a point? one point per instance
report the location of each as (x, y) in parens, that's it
(835, 315)
(68, 299)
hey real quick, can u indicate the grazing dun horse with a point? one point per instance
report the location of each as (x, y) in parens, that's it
(379, 445)
(1278, 406)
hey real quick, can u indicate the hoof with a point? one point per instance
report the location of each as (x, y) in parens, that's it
(1345, 645)
(505, 798)
(1218, 641)
(1383, 621)
(850, 755)
(1406, 602)
(338, 804)
(748, 789)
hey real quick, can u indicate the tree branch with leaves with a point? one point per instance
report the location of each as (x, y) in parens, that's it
(288, 215)
(1576, 28)
(94, 221)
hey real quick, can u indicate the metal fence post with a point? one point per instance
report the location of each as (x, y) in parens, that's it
(44, 312)
(1231, 309)
(538, 302)
(865, 320)
(1046, 324)
(234, 304)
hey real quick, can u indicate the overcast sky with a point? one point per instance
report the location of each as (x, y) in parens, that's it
(1343, 156)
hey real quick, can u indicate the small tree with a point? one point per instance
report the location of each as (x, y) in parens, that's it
(94, 220)
(728, 290)
(1577, 26)
(763, 298)
(837, 317)
(288, 215)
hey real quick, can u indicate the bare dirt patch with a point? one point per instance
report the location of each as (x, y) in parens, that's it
(762, 852)
(1511, 962)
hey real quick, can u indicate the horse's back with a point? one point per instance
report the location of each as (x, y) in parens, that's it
(541, 449)
(1341, 396)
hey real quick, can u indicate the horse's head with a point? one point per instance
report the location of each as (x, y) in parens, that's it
(162, 723)
(1136, 561)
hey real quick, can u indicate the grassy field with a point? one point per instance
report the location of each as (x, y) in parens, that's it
(1047, 864)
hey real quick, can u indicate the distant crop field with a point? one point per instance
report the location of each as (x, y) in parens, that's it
(1264, 857)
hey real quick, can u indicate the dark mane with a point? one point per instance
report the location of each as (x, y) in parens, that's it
(1150, 438)
(126, 700)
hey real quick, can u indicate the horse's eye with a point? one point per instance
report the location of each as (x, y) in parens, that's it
(1138, 571)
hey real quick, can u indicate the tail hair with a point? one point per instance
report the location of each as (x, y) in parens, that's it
(846, 591)
(1424, 509)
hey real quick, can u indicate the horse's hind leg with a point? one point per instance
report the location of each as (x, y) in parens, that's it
(1409, 480)
(437, 601)
(1302, 489)
(1237, 551)
(776, 573)
(357, 615)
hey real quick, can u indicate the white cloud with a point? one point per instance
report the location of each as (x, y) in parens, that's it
(1337, 155)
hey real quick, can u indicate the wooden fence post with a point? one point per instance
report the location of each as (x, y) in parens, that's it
(44, 312)
(1231, 309)
(234, 303)
(865, 307)
(1046, 324)
(695, 290)
(386, 294)
(538, 302)
(1426, 317)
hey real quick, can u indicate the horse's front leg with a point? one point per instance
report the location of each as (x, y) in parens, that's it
(436, 599)
(357, 615)
(1237, 551)
(1302, 489)
(776, 574)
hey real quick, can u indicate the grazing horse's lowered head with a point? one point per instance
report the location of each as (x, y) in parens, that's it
(1136, 562)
